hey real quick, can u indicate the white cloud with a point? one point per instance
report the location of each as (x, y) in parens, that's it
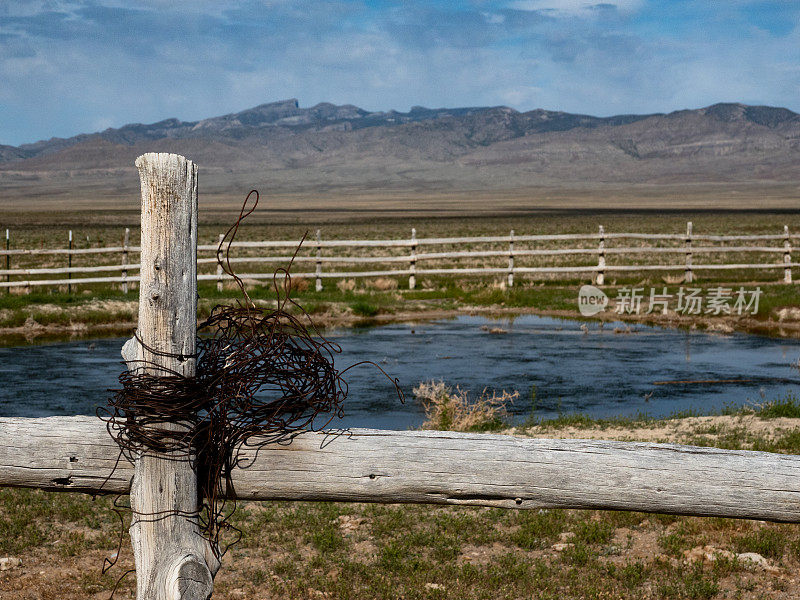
(493, 18)
(575, 7)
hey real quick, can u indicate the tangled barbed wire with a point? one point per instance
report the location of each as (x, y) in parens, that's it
(263, 375)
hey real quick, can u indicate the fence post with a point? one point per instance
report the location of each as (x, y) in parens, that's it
(688, 277)
(219, 262)
(511, 260)
(318, 282)
(787, 256)
(172, 557)
(601, 258)
(412, 278)
(69, 263)
(125, 242)
(8, 261)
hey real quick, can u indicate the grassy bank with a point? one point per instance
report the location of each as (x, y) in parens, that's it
(333, 550)
(39, 315)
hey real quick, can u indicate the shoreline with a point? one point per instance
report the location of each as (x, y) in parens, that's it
(342, 316)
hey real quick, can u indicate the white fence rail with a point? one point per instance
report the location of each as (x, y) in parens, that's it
(727, 245)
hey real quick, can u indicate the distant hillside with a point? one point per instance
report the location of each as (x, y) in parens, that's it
(326, 146)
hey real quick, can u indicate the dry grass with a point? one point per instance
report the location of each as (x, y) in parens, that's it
(346, 285)
(673, 279)
(448, 408)
(382, 284)
(299, 284)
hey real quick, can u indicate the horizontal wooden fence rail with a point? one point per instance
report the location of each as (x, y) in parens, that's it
(98, 269)
(438, 467)
(407, 272)
(73, 251)
(56, 282)
(413, 264)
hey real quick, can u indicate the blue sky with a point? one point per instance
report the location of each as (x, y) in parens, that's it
(68, 67)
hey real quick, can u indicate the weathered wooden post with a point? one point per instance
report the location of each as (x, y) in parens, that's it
(412, 278)
(787, 256)
(688, 277)
(601, 258)
(125, 241)
(219, 262)
(318, 282)
(69, 264)
(511, 260)
(8, 260)
(173, 560)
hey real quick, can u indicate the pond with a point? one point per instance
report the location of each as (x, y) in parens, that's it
(558, 366)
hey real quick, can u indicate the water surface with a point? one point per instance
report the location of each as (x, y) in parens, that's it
(601, 373)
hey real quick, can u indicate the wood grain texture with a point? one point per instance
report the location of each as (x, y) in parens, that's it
(362, 465)
(173, 561)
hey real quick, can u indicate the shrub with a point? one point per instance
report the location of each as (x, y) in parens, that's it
(383, 283)
(364, 308)
(452, 410)
(299, 284)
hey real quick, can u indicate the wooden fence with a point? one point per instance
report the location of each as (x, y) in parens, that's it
(687, 246)
(173, 562)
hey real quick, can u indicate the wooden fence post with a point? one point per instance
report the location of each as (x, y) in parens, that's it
(69, 263)
(601, 258)
(787, 255)
(125, 241)
(318, 282)
(173, 560)
(511, 260)
(688, 277)
(412, 278)
(219, 262)
(8, 260)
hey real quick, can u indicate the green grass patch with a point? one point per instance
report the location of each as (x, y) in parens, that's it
(788, 407)
(767, 542)
(363, 308)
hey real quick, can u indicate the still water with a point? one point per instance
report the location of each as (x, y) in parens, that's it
(599, 372)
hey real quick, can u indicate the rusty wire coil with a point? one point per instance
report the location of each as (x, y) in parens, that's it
(263, 375)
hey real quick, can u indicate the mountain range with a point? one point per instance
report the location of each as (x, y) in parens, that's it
(327, 146)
